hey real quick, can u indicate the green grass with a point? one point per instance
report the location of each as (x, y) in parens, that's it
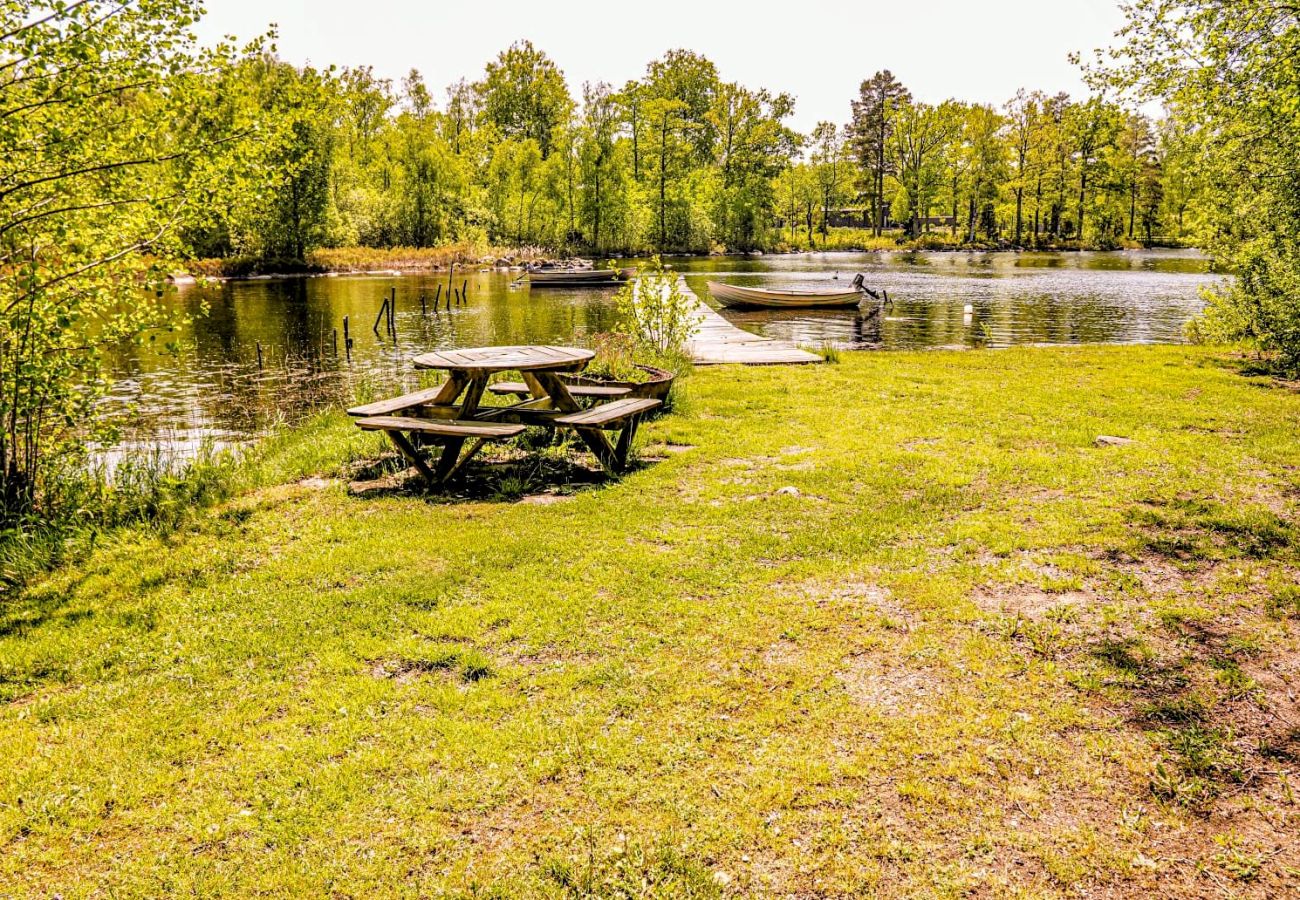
(972, 654)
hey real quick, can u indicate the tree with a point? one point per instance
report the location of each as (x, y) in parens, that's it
(1136, 150)
(690, 80)
(984, 167)
(601, 179)
(664, 118)
(523, 95)
(1091, 128)
(874, 113)
(920, 133)
(98, 172)
(462, 108)
(753, 147)
(1227, 70)
(1024, 115)
(829, 165)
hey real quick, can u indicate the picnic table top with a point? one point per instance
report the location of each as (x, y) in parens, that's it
(498, 359)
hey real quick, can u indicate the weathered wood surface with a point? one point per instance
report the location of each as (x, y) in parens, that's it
(441, 427)
(608, 414)
(715, 341)
(499, 359)
(397, 404)
(578, 390)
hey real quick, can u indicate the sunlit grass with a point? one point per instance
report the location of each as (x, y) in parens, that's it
(894, 627)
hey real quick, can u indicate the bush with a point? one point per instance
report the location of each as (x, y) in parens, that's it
(655, 311)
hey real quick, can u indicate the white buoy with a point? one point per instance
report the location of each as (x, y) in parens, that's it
(968, 309)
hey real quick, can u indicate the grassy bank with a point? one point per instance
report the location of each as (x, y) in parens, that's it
(971, 653)
(418, 259)
(365, 259)
(940, 239)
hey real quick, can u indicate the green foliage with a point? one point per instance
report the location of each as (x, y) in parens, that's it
(96, 174)
(677, 161)
(615, 358)
(1236, 129)
(523, 96)
(655, 310)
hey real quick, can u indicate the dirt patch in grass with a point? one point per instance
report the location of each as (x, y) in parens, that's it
(447, 661)
(1027, 601)
(878, 681)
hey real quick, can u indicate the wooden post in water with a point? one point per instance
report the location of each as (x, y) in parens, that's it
(436, 298)
(383, 311)
(424, 309)
(336, 342)
(392, 314)
(259, 356)
(464, 288)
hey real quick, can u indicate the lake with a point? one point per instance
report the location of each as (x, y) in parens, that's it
(210, 386)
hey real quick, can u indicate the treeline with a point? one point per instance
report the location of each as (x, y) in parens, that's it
(1042, 171)
(676, 161)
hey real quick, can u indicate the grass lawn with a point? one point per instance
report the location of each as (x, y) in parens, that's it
(973, 653)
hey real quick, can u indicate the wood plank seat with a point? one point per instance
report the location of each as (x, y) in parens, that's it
(453, 432)
(625, 414)
(495, 431)
(594, 391)
(608, 415)
(397, 404)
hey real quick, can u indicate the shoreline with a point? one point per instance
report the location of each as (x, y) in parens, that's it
(519, 264)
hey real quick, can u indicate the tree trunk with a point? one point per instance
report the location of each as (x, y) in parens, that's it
(663, 186)
(1020, 196)
(1083, 195)
(1132, 205)
(595, 230)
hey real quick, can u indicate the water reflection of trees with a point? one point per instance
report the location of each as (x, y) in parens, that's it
(213, 384)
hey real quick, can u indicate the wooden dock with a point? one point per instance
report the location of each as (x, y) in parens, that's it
(715, 341)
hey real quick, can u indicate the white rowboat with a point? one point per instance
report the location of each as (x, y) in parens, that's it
(735, 295)
(573, 277)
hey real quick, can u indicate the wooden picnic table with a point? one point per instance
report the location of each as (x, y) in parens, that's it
(450, 414)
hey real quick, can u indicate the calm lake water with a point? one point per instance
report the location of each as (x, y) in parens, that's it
(211, 388)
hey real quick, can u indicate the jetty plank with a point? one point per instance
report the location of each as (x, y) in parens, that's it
(715, 341)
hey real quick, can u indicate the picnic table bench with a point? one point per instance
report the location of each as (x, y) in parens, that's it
(449, 414)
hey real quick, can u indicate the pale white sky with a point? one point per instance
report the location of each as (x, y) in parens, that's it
(818, 50)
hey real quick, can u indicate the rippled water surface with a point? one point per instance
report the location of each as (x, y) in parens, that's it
(212, 388)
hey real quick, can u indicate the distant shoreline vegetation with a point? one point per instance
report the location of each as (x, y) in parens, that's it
(678, 161)
(363, 260)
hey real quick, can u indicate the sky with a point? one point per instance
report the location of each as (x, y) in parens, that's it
(817, 50)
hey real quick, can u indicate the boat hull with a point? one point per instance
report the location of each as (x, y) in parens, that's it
(732, 295)
(579, 277)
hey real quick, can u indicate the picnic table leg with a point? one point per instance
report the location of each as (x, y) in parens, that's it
(536, 387)
(624, 446)
(594, 438)
(463, 459)
(407, 449)
(447, 462)
(451, 389)
(446, 396)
